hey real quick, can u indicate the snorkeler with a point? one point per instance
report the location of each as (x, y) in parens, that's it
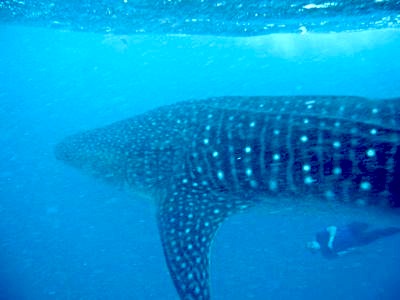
(336, 241)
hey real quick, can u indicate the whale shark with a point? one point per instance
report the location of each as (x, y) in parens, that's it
(202, 161)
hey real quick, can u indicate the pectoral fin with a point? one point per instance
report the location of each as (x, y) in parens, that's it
(188, 222)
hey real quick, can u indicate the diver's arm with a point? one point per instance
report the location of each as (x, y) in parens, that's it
(332, 233)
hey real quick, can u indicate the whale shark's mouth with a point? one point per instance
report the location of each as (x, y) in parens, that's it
(62, 152)
(73, 149)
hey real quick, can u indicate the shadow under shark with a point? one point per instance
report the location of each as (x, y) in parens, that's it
(202, 161)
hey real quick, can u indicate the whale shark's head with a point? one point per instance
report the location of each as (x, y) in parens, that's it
(119, 153)
(94, 152)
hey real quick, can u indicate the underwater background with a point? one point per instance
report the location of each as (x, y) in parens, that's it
(68, 66)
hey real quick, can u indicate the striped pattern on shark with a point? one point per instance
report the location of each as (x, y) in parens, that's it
(203, 161)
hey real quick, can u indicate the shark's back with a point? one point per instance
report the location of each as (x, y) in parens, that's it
(334, 147)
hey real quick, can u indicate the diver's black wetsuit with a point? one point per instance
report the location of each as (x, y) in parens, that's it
(351, 236)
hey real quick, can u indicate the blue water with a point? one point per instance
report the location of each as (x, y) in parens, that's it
(67, 236)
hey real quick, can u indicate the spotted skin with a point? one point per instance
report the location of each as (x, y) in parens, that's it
(203, 161)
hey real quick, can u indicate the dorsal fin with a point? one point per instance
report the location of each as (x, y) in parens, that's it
(188, 219)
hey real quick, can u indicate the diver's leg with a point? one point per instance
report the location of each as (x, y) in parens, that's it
(357, 226)
(373, 235)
